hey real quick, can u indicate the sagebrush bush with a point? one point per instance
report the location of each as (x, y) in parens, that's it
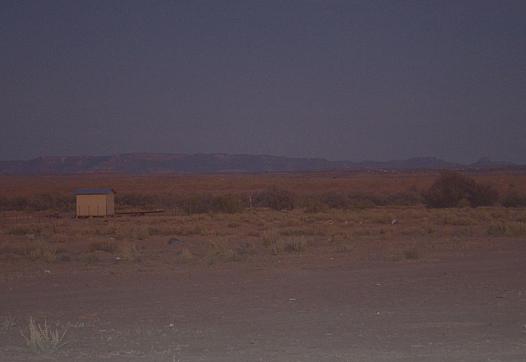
(108, 246)
(335, 200)
(40, 202)
(275, 198)
(204, 203)
(295, 246)
(452, 189)
(514, 199)
(313, 205)
(136, 200)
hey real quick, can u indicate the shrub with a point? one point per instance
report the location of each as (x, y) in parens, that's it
(203, 203)
(335, 200)
(314, 205)
(403, 199)
(453, 189)
(136, 200)
(514, 199)
(362, 201)
(229, 204)
(275, 198)
(268, 239)
(41, 251)
(185, 255)
(355, 200)
(128, 251)
(42, 339)
(89, 258)
(51, 202)
(507, 229)
(6, 323)
(16, 203)
(411, 254)
(295, 246)
(23, 230)
(107, 246)
(39, 202)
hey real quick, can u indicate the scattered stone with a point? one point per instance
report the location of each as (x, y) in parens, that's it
(175, 241)
(394, 222)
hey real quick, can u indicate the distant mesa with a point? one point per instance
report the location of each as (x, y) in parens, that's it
(147, 163)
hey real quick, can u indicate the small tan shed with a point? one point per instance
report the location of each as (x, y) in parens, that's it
(95, 202)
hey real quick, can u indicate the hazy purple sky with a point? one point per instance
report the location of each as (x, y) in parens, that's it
(344, 79)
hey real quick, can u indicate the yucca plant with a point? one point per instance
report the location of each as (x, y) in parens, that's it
(42, 339)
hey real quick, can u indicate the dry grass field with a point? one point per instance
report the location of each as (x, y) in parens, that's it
(314, 182)
(47, 250)
(389, 232)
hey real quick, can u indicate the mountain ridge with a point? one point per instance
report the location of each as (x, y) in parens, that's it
(146, 163)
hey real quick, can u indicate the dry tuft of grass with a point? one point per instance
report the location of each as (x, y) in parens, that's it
(220, 253)
(295, 246)
(185, 256)
(88, 258)
(41, 250)
(268, 239)
(19, 231)
(510, 229)
(6, 324)
(128, 251)
(108, 246)
(42, 339)
(411, 254)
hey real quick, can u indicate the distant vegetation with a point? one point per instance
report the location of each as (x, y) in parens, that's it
(452, 189)
(449, 190)
(514, 199)
(40, 202)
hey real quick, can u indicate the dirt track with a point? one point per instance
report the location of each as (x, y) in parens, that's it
(455, 309)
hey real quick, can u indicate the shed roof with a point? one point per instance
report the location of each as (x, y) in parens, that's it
(93, 191)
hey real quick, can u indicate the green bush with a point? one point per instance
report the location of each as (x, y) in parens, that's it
(452, 189)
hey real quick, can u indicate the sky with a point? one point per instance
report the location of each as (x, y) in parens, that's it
(342, 80)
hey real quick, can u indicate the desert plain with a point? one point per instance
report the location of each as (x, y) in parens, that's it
(350, 266)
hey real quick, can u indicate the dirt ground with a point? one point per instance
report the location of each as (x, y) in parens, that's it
(468, 307)
(390, 283)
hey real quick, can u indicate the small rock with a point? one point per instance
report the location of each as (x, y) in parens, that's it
(175, 241)
(394, 222)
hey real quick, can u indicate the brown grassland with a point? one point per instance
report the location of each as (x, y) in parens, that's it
(390, 231)
(314, 182)
(274, 267)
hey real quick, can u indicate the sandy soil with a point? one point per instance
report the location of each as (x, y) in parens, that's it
(452, 308)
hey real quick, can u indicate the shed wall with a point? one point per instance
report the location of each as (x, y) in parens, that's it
(110, 204)
(94, 205)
